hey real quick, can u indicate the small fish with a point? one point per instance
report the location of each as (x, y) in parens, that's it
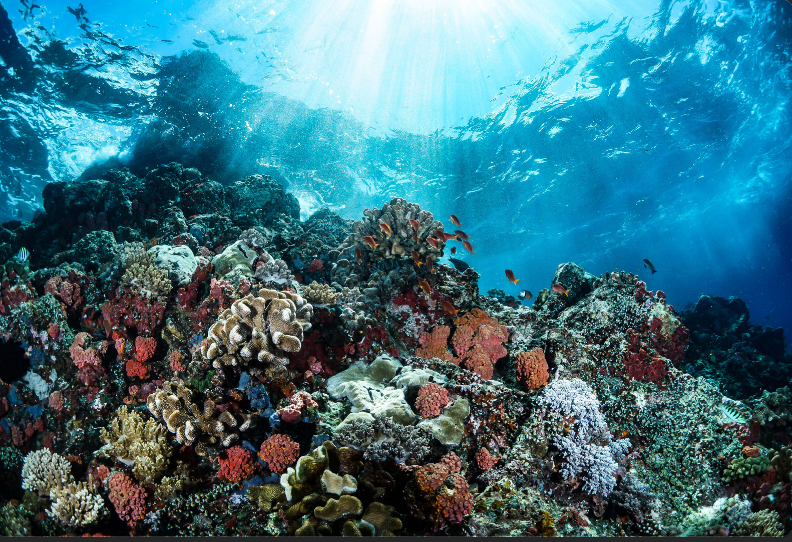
(455, 220)
(424, 286)
(370, 242)
(416, 258)
(448, 307)
(525, 294)
(23, 255)
(453, 250)
(414, 223)
(560, 289)
(386, 229)
(430, 265)
(650, 265)
(461, 235)
(440, 234)
(459, 264)
(468, 246)
(510, 276)
(433, 242)
(359, 255)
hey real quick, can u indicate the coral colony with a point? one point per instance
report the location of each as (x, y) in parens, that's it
(184, 358)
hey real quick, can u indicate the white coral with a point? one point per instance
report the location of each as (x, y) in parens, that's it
(43, 471)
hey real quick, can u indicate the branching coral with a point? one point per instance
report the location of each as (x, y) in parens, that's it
(144, 277)
(258, 328)
(76, 504)
(404, 238)
(320, 294)
(44, 471)
(141, 444)
(174, 405)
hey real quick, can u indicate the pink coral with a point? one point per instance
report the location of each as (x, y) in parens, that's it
(431, 400)
(236, 464)
(128, 498)
(484, 460)
(478, 362)
(433, 344)
(64, 291)
(55, 400)
(83, 354)
(532, 369)
(279, 451)
(315, 266)
(293, 412)
(145, 348)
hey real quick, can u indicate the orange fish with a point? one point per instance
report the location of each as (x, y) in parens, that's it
(461, 235)
(448, 307)
(453, 250)
(424, 286)
(455, 220)
(430, 265)
(370, 242)
(415, 236)
(414, 224)
(385, 228)
(510, 276)
(468, 246)
(440, 234)
(432, 241)
(416, 258)
(560, 289)
(359, 255)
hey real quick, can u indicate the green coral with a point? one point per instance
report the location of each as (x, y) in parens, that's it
(746, 466)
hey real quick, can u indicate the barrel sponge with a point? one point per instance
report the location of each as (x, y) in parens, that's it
(258, 328)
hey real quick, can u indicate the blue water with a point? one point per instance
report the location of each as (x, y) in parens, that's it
(556, 131)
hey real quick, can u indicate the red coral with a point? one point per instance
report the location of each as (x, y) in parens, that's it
(236, 464)
(431, 476)
(293, 412)
(128, 498)
(532, 369)
(454, 504)
(452, 461)
(12, 297)
(136, 369)
(636, 364)
(431, 400)
(65, 291)
(82, 353)
(484, 460)
(315, 266)
(145, 348)
(279, 451)
(433, 345)
(127, 310)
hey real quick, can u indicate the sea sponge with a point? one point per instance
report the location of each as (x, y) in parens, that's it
(76, 504)
(320, 294)
(141, 444)
(144, 277)
(261, 328)
(174, 405)
(43, 471)
(404, 238)
(532, 369)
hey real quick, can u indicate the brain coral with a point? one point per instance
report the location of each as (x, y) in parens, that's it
(258, 328)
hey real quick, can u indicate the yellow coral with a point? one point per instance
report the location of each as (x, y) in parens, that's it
(144, 277)
(76, 504)
(141, 444)
(320, 294)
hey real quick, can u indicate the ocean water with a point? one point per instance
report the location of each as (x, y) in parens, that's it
(600, 133)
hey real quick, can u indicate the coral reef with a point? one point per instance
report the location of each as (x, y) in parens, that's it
(198, 361)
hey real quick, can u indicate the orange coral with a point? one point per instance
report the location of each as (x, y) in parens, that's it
(236, 464)
(484, 460)
(135, 368)
(431, 400)
(279, 451)
(433, 345)
(145, 348)
(128, 498)
(532, 369)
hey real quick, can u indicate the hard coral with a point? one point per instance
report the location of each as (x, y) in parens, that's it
(431, 400)
(433, 344)
(532, 369)
(236, 464)
(145, 445)
(279, 451)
